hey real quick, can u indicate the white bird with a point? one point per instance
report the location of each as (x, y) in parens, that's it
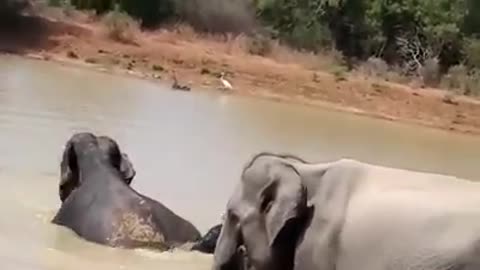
(226, 84)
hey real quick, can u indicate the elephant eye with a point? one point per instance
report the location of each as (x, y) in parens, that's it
(232, 217)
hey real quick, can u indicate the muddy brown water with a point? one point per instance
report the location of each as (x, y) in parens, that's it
(188, 150)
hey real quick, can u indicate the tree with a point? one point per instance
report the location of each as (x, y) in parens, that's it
(472, 18)
(149, 12)
(432, 26)
(11, 8)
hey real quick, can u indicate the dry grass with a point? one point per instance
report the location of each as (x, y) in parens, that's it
(374, 67)
(185, 31)
(280, 74)
(313, 61)
(247, 45)
(256, 45)
(430, 72)
(121, 27)
(462, 81)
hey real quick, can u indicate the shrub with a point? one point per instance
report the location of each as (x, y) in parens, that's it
(150, 12)
(259, 45)
(472, 53)
(430, 72)
(340, 73)
(311, 37)
(375, 67)
(462, 80)
(395, 75)
(473, 83)
(218, 16)
(67, 8)
(55, 3)
(12, 8)
(120, 26)
(456, 78)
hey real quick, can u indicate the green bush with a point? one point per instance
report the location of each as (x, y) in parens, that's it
(472, 53)
(100, 6)
(314, 37)
(55, 3)
(218, 16)
(301, 23)
(149, 12)
(472, 20)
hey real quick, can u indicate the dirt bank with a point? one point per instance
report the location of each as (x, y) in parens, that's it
(197, 61)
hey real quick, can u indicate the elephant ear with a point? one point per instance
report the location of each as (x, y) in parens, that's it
(119, 160)
(69, 175)
(126, 169)
(283, 199)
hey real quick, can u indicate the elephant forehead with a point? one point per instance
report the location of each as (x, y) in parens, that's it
(83, 137)
(241, 205)
(244, 211)
(250, 189)
(257, 175)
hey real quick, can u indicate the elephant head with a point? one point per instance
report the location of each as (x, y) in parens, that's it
(104, 148)
(265, 214)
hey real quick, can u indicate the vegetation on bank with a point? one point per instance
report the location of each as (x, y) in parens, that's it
(434, 41)
(9, 9)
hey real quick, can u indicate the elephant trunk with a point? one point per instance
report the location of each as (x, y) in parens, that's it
(226, 256)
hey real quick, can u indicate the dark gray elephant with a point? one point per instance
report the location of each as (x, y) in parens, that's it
(209, 241)
(100, 206)
(349, 215)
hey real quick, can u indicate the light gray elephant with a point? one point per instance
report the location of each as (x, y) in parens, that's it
(349, 215)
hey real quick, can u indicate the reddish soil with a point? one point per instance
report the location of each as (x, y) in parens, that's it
(197, 60)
